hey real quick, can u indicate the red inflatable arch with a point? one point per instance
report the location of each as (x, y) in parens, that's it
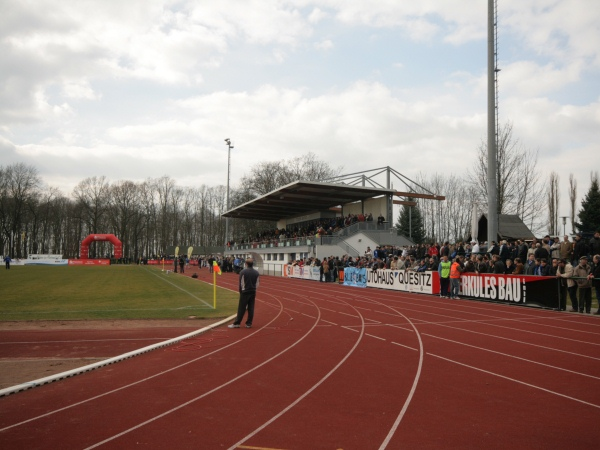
(85, 244)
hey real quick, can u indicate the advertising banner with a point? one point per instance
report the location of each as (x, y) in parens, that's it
(354, 276)
(404, 280)
(526, 290)
(89, 262)
(39, 262)
(159, 262)
(304, 272)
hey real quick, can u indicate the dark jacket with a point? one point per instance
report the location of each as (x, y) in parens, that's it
(248, 280)
(595, 246)
(579, 250)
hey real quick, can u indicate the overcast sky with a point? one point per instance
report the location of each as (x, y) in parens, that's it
(146, 88)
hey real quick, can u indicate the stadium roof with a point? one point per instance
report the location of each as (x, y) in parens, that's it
(510, 227)
(303, 197)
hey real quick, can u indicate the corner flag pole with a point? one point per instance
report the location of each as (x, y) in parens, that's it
(214, 289)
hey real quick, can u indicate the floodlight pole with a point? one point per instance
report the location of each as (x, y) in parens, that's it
(492, 222)
(229, 147)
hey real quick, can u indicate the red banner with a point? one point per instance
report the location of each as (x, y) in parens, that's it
(89, 262)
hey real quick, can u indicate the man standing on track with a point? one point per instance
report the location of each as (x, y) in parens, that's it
(247, 286)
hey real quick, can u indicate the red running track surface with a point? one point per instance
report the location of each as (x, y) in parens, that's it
(334, 367)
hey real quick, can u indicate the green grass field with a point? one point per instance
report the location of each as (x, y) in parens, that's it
(111, 292)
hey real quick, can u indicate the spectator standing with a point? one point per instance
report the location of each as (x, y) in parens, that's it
(325, 265)
(504, 251)
(584, 284)
(579, 250)
(444, 272)
(565, 273)
(7, 262)
(595, 274)
(519, 268)
(499, 266)
(595, 244)
(530, 265)
(455, 271)
(566, 249)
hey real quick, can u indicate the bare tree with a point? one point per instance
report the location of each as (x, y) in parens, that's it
(553, 195)
(573, 199)
(448, 220)
(19, 185)
(518, 180)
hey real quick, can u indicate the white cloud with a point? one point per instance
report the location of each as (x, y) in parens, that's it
(80, 90)
(327, 44)
(316, 16)
(169, 66)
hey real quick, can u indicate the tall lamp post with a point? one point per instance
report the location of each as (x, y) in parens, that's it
(564, 218)
(229, 147)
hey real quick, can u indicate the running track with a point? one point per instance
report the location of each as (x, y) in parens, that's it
(333, 367)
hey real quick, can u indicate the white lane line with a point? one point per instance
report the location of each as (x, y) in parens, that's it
(49, 413)
(517, 381)
(376, 337)
(327, 321)
(178, 287)
(303, 396)
(405, 346)
(512, 356)
(520, 342)
(189, 402)
(413, 389)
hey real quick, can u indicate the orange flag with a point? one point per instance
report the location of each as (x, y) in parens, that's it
(216, 268)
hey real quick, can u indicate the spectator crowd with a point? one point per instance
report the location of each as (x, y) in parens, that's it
(575, 263)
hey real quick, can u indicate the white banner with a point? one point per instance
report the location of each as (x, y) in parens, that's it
(304, 272)
(39, 262)
(401, 280)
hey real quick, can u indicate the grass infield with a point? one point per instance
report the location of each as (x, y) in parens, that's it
(107, 292)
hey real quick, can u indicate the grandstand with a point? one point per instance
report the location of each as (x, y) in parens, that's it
(308, 202)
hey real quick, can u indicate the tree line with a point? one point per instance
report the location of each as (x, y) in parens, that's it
(148, 217)
(521, 188)
(153, 215)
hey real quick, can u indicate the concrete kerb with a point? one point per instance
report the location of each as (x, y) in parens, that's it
(70, 373)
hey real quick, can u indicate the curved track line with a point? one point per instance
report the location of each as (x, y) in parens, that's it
(517, 381)
(531, 361)
(315, 386)
(413, 388)
(189, 402)
(49, 413)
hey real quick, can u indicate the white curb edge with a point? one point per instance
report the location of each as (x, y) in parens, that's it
(70, 373)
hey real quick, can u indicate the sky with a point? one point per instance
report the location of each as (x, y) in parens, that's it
(146, 88)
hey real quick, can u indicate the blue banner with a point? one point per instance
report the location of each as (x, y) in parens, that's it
(354, 276)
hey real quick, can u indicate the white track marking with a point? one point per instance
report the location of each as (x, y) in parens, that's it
(520, 342)
(303, 396)
(517, 381)
(49, 413)
(180, 288)
(511, 356)
(182, 405)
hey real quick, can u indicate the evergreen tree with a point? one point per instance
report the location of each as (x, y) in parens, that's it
(589, 215)
(410, 223)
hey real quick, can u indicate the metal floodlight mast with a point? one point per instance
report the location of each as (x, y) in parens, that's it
(492, 222)
(229, 147)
